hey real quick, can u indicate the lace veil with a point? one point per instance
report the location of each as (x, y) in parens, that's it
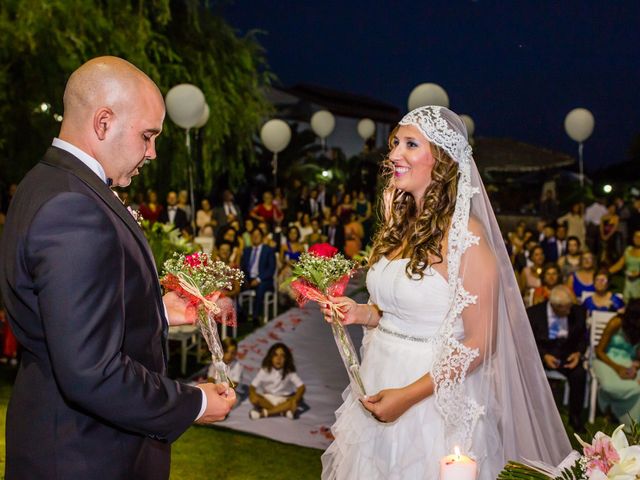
(495, 369)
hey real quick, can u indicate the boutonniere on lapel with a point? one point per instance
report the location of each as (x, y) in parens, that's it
(137, 216)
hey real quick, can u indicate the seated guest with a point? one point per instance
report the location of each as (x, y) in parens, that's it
(550, 278)
(204, 215)
(345, 209)
(173, 214)
(530, 276)
(277, 388)
(312, 206)
(259, 267)
(617, 364)
(228, 211)
(335, 233)
(290, 252)
(560, 330)
(269, 237)
(316, 234)
(561, 241)
(518, 240)
(246, 232)
(603, 300)
(353, 234)
(184, 205)
(230, 235)
(230, 358)
(303, 224)
(225, 253)
(291, 249)
(151, 209)
(581, 281)
(550, 244)
(630, 261)
(266, 211)
(570, 261)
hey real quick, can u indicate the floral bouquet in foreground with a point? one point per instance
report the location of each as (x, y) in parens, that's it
(322, 272)
(202, 282)
(606, 458)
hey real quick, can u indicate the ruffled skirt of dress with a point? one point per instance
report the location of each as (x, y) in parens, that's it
(412, 446)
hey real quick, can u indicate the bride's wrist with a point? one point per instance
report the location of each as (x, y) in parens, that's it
(367, 317)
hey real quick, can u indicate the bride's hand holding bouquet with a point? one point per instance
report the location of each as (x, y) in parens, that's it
(350, 313)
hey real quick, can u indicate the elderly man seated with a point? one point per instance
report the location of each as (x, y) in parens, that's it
(560, 330)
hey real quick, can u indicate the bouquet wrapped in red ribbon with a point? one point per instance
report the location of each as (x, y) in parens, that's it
(202, 282)
(320, 273)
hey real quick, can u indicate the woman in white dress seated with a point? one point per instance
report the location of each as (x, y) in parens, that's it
(449, 357)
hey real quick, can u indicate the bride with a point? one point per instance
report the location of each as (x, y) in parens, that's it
(448, 355)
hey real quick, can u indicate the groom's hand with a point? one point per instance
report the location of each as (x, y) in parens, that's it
(220, 401)
(179, 310)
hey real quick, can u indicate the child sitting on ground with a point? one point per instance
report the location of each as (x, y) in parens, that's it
(277, 389)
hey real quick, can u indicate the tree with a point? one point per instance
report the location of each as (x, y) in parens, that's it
(43, 41)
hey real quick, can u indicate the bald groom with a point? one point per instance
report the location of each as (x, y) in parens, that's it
(91, 398)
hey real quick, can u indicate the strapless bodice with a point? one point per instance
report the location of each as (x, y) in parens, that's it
(410, 306)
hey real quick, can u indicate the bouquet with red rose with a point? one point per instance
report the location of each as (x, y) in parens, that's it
(322, 272)
(202, 282)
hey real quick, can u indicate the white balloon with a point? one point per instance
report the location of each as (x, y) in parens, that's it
(428, 94)
(366, 128)
(469, 123)
(185, 105)
(579, 124)
(323, 123)
(275, 135)
(204, 118)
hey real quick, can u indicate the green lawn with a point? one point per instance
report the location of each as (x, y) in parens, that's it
(217, 453)
(208, 453)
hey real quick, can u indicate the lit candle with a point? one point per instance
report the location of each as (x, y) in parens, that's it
(457, 467)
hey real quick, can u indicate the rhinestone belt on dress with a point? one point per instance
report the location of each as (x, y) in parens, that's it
(404, 336)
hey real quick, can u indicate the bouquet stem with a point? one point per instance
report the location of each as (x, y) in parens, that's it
(348, 354)
(209, 330)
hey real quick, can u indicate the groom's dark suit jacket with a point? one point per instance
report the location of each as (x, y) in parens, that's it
(91, 399)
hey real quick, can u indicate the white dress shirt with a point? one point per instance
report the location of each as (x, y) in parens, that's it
(84, 157)
(96, 168)
(558, 326)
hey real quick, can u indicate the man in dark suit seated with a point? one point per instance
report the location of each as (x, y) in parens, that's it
(560, 330)
(335, 233)
(259, 266)
(228, 211)
(173, 214)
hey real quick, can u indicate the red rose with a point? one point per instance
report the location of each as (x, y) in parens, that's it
(323, 250)
(196, 260)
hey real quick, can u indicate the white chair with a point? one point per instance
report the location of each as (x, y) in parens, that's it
(597, 321)
(187, 335)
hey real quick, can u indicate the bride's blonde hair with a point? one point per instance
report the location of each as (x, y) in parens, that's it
(418, 236)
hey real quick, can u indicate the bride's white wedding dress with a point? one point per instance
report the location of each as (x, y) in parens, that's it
(396, 353)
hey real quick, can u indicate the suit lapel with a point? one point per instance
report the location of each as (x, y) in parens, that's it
(62, 159)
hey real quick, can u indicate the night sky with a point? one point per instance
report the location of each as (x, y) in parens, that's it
(516, 67)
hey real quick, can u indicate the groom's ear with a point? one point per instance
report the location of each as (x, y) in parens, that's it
(103, 122)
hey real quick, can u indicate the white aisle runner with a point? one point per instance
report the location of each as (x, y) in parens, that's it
(318, 364)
